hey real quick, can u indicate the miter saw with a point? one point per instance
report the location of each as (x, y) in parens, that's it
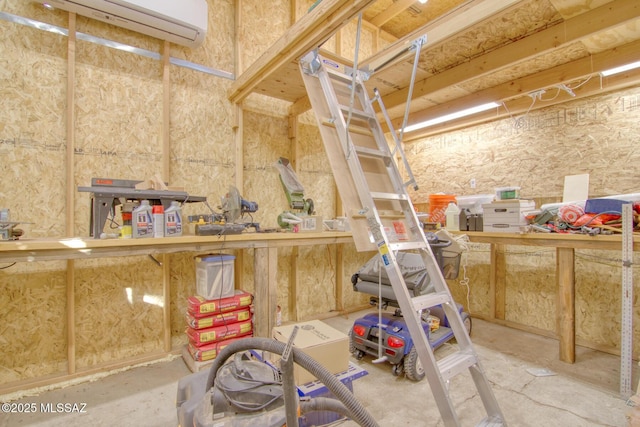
(233, 208)
(295, 196)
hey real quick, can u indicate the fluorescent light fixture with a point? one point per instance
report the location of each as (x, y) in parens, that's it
(422, 1)
(452, 116)
(620, 69)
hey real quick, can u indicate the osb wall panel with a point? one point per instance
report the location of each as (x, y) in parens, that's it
(118, 120)
(261, 24)
(202, 149)
(33, 335)
(316, 281)
(314, 171)
(265, 141)
(32, 132)
(471, 288)
(599, 298)
(118, 309)
(535, 152)
(594, 135)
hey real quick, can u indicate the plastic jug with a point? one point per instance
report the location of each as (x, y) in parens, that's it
(452, 215)
(173, 220)
(142, 221)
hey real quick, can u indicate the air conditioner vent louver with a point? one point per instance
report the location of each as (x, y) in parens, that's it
(182, 22)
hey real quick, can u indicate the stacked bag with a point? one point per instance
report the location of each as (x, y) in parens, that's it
(218, 314)
(214, 324)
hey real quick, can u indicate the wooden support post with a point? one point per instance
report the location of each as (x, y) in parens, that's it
(497, 282)
(166, 174)
(339, 277)
(293, 285)
(166, 111)
(166, 298)
(71, 318)
(293, 271)
(565, 305)
(70, 191)
(265, 267)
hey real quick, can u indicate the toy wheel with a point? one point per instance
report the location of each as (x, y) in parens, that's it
(412, 366)
(397, 369)
(352, 346)
(358, 354)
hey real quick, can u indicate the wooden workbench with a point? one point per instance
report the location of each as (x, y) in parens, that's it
(565, 245)
(264, 244)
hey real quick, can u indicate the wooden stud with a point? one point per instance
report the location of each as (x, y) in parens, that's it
(265, 267)
(565, 308)
(339, 290)
(166, 111)
(70, 209)
(166, 298)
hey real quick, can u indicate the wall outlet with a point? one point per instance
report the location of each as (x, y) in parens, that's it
(473, 183)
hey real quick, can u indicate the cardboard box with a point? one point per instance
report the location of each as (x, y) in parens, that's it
(326, 345)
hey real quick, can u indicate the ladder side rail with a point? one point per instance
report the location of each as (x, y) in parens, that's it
(396, 139)
(347, 145)
(414, 324)
(393, 172)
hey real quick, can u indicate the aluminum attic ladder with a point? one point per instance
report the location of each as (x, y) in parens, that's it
(382, 218)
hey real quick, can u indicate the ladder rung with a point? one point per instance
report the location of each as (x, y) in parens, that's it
(430, 300)
(372, 152)
(352, 128)
(455, 363)
(406, 246)
(338, 76)
(357, 113)
(388, 196)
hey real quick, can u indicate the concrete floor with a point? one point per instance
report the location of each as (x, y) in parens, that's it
(581, 394)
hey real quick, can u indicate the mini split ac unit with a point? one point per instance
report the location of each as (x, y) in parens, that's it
(182, 22)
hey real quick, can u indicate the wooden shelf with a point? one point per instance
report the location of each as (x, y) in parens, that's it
(82, 248)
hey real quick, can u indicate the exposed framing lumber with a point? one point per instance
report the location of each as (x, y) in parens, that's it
(575, 29)
(391, 12)
(579, 69)
(305, 35)
(70, 193)
(458, 19)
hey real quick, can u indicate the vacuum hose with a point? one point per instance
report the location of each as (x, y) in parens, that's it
(355, 410)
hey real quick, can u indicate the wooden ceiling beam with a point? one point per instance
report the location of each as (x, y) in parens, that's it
(514, 93)
(597, 20)
(391, 12)
(462, 17)
(305, 35)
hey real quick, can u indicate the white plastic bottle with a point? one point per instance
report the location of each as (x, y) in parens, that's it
(158, 221)
(452, 215)
(142, 221)
(173, 220)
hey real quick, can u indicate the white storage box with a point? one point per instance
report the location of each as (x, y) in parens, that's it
(506, 216)
(214, 276)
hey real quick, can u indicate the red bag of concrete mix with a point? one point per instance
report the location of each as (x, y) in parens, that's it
(198, 306)
(218, 333)
(211, 351)
(218, 319)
